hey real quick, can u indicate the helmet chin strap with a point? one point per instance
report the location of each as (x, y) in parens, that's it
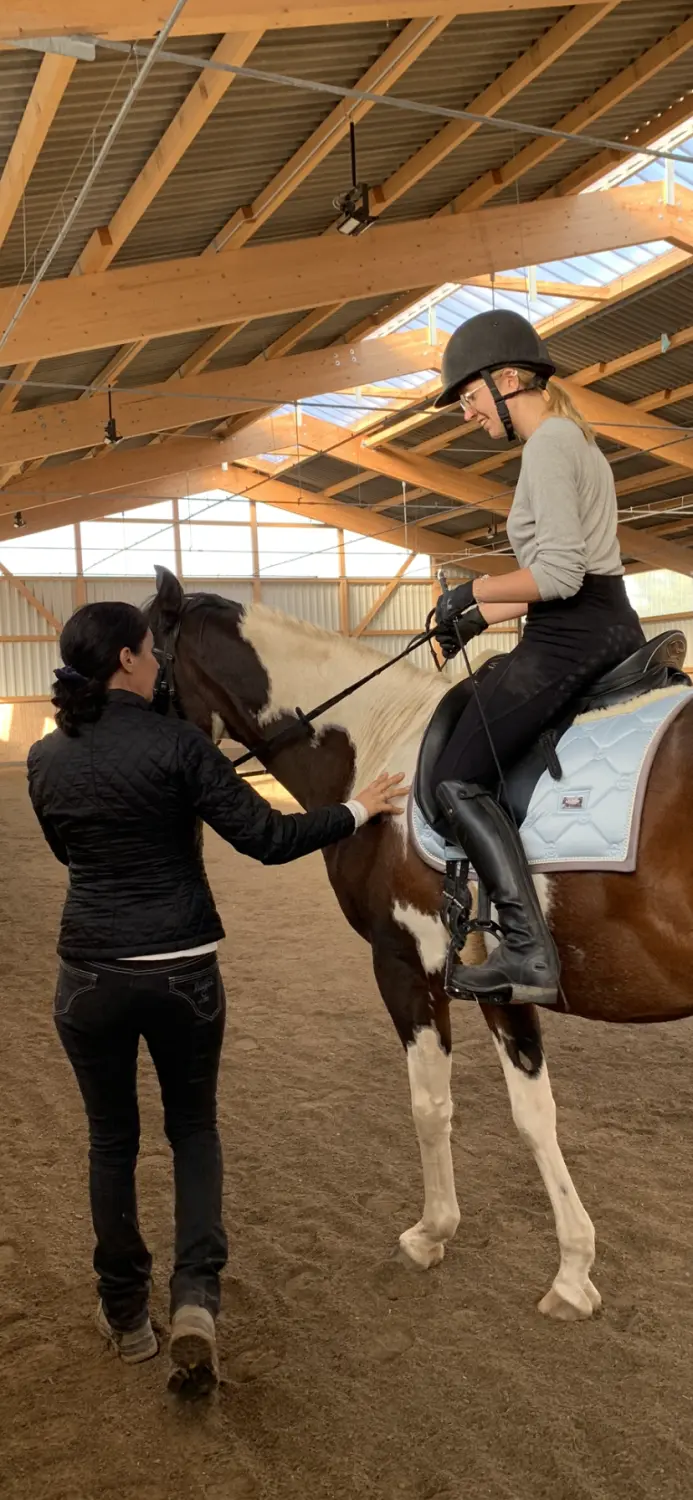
(501, 402)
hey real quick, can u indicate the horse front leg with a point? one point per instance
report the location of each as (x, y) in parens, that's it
(421, 1017)
(517, 1036)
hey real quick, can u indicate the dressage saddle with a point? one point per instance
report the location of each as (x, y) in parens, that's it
(657, 664)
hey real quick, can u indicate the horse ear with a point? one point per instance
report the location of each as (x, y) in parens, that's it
(169, 593)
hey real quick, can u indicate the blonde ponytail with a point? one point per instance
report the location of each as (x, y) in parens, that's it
(559, 403)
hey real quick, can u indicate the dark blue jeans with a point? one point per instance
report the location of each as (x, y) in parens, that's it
(101, 1011)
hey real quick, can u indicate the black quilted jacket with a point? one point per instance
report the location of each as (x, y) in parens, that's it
(122, 806)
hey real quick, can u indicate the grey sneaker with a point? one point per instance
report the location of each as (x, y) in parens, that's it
(134, 1346)
(193, 1349)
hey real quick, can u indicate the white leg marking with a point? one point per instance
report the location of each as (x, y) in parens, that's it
(428, 933)
(534, 1112)
(431, 1101)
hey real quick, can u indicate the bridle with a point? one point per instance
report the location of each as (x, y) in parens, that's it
(167, 698)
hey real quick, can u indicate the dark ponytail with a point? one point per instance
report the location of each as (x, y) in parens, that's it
(90, 646)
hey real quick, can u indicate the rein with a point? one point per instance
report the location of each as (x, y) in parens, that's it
(166, 695)
(305, 721)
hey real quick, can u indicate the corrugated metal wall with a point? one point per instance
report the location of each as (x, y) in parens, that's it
(26, 667)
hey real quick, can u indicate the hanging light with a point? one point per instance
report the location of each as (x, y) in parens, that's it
(354, 206)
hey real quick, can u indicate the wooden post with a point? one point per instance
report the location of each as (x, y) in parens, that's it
(435, 595)
(80, 590)
(255, 544)
(343, 586)
(177, 545)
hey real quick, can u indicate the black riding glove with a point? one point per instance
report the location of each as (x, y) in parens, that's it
(454, 602)
(456, 632)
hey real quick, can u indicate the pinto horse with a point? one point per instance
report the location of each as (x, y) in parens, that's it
(625, 941)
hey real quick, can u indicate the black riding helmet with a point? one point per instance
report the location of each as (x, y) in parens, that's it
(491, 341)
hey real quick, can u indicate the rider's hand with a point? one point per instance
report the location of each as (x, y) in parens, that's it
(454, 602)
(383, 795)
(452, 635)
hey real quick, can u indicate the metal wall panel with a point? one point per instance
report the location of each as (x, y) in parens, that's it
(317, 602)
(26, 669)
(685, 625)
(130, 590)
(18, 617)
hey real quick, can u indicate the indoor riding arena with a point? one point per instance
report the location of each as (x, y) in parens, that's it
(191, 380)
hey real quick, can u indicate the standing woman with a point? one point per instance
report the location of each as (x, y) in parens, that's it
(121, 793)
(562, 528)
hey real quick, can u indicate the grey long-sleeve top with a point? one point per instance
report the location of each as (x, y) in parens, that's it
(562, 523)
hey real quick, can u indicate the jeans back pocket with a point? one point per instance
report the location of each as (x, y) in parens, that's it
(71, 983)
(202, 991)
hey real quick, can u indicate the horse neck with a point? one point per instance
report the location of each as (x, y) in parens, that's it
(306, 666)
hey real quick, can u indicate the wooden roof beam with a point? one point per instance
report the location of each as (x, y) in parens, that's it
(576, 292)
(123, 468)
(165, 297)
(470, 489)
(239, 481)
(41, 108)
(641, 355)
(623, 424)
(522, 72)
(106, 240)
(485, 187)
(71, 425)
(618, 88)
(144, 18)
(640, 139)
(544, 52)
(385, 72)
(654, 551)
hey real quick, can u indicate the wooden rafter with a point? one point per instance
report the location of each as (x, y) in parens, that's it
(535, 61)
(641, 355)
(620, 423)
(239, 481)
(633, 77)
(49, 87)
(498, 95)
(604, 161)
(109, 473)
(165, 297)
(490, 183)
(575, 291)
(144, 18)
(473, 490)
(667, 397)
(244, 223)
(71, 425)
(105, 242)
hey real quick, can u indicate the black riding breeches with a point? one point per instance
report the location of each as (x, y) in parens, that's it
(567, 644)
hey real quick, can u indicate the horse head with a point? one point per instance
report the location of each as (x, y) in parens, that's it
(215, 667)
(210, 670)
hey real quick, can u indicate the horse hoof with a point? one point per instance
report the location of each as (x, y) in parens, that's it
(581, 1304)
(418, 1250)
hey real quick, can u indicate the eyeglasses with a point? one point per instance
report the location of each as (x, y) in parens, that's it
(469, 402)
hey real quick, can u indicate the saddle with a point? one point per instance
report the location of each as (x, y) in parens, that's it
(657, 664)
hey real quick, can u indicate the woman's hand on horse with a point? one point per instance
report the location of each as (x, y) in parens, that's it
(383, 795)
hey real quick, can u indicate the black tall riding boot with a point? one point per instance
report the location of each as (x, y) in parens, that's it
(524, 967)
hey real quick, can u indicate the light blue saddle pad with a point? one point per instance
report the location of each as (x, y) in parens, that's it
(590, 820)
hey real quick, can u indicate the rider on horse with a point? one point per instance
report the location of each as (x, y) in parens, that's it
(562, 527)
